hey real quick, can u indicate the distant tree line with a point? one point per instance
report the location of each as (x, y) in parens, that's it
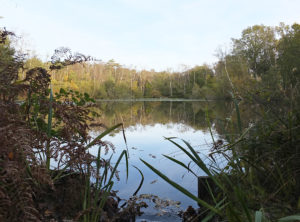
(263, 55)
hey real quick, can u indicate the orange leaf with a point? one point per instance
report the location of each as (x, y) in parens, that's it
(11, 156)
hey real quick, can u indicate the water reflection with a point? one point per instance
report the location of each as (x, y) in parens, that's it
(148, 113)
(146, 125)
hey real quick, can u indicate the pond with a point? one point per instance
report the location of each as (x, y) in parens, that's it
(146, 125)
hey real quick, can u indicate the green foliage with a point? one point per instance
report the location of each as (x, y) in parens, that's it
(257, 46)
(110, 88)
(148, 90)
(288, 49)
(43, 129)
(102, 187)
(261, 171)
(112, 81)
(263, 55)
(196, 91)
(261, 72)
(261, 179)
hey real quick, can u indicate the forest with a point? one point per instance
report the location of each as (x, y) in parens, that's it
(47, 111)
(260, 56)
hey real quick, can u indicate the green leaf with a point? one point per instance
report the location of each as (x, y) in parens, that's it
(102, 135)
(181, 164)
(290, 218)
(141, 183)
(62, 91)
(192, 150)
(124, 153)
(197, 160)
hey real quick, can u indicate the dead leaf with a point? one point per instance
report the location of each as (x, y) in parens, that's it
(48, 213)
(11, 156)
(154, 181)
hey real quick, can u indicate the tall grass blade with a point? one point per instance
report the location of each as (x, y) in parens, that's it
(106, 169)
(98, 209)
(199, 163)
(197, 160)
(231, 214)
(210, 191)
(86, 197)
(290, 218)
(141, 183)
(192, 150)
(124, 153)
(181, 189)
(49, 128)
(209, 125)
(102, 135)
(99, 190)
(212, 214)
(107, 190)
(181, 164)
(243, 203)
(125, 140)
(238, 115)
(98, 183)
(98, 166)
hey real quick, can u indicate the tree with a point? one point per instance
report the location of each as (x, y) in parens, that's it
(110, 88)
(10, 63)
(288, 56)
(257, 46)
(148, 90)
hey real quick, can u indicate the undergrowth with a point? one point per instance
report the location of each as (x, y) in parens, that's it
(46, 170)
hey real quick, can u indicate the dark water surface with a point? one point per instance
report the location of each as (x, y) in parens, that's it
(146, 124)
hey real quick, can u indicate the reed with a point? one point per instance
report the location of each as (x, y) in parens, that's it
(259, 181)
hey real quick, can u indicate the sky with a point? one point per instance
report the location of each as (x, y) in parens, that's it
(142, 34)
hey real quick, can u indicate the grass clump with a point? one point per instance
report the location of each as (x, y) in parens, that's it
(261, 142)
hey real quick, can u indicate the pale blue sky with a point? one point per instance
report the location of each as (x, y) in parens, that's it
(157, 34)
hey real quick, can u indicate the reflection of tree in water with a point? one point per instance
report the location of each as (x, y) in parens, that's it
(187, 113)
(138, 115)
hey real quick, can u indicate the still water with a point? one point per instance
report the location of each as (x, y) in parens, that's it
(146, 125)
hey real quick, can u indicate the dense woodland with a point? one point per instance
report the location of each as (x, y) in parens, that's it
(262, 56)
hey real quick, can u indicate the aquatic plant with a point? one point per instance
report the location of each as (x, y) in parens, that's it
(260, 180)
